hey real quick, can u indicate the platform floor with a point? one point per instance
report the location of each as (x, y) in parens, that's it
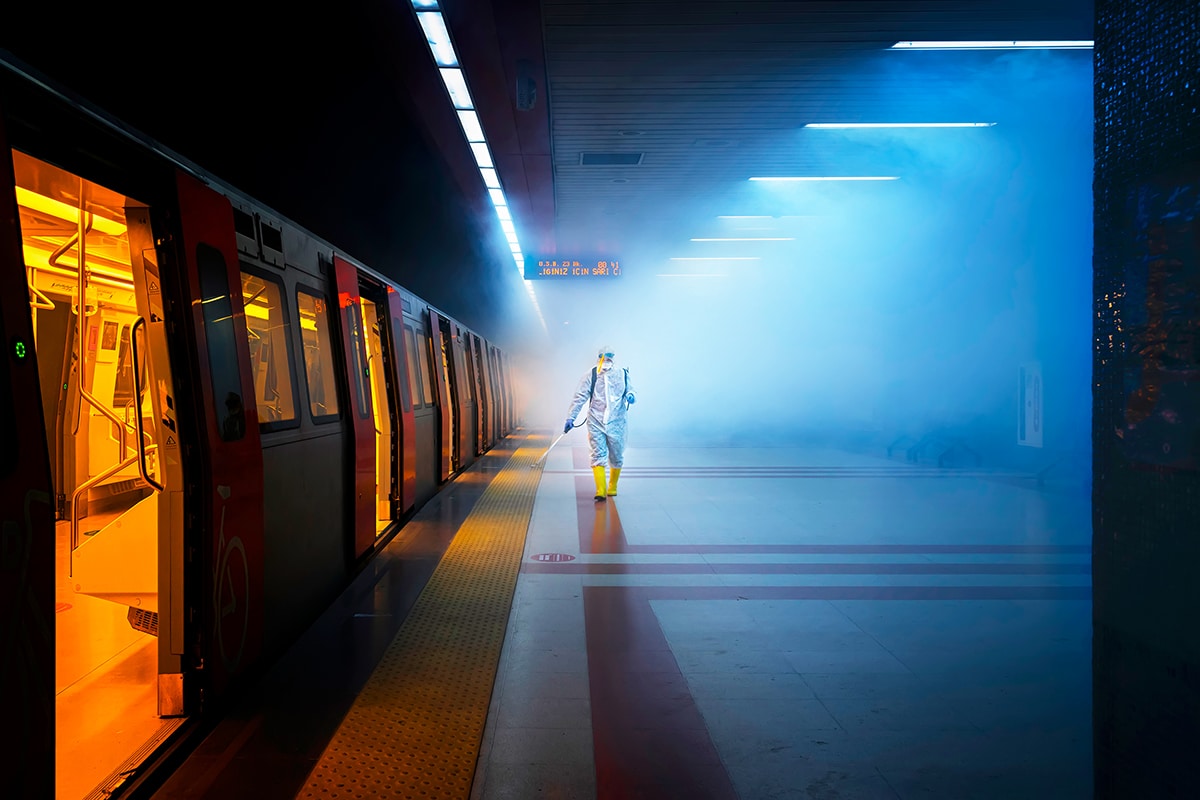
(736, 623)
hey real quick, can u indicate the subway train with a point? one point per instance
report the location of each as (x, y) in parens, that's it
(210, 419)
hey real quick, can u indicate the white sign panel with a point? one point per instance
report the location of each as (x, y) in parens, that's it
(1029, 405)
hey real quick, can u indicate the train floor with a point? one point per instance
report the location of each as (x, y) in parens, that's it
(105, 680)
(735, 623)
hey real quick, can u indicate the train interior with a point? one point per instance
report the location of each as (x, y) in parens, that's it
(99, 412)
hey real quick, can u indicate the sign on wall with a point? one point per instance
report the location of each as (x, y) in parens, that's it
(570, 267)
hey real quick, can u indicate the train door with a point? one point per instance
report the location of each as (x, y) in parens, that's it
(363, 479)
(226, 422)
(405, 381)
(497, 393)
(506, 405)
(426, 413)
(464, 373)
(27, 528)
(443, 358)
(99, 332)
(379, 355)
(483, 437)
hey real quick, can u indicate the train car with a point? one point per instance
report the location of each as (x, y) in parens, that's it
(210, 418)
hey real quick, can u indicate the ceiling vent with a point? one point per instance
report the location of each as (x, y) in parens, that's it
(610, 159)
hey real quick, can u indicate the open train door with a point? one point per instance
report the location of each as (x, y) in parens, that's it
(26, 528)
(361, 411)
(232, 485)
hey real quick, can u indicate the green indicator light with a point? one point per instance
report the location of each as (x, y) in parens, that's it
(19, 349)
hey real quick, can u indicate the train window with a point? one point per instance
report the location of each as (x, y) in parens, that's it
(425, 355)
(318, 356)
(270, 350)
(222, 343)
(470, 365)
(243, 223)
(271, 237)
(410, 348)
(123, 385)
(358, 364)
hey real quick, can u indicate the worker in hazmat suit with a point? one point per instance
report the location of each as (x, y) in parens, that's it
(608, 393)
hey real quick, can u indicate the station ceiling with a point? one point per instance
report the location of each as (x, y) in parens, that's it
(650, 117)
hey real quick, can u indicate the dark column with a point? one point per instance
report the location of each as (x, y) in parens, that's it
(1146, 397)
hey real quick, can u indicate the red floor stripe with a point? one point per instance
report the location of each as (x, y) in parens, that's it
(848, 592)
(879, 549)
(928, 568)
(650, 740)
(600, 528)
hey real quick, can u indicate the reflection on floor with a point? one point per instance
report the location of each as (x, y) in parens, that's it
(105, 679)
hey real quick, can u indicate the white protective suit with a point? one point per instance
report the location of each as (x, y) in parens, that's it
(606, 414)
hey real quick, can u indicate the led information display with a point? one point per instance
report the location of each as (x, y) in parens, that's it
(569, 267)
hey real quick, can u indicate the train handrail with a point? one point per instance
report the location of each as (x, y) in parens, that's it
(141, 423)
(83, 487)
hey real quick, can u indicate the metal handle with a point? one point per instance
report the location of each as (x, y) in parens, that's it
(137, 393)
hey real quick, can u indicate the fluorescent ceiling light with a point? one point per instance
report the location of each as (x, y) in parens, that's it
(511, 237)
(425, 3)
(516, 248)
(68, 212)
(899, 124)
(482, 157)
(1038, 45)
(470, 125)
(456, 85)
(507, 225)
(829, 178)
(716, 258)
(438, 38)
(502, 212)
(520, 261)
(751, 239)
(490, 179)
(497, 196)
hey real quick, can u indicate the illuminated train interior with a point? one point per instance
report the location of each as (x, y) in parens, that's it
(103, 445)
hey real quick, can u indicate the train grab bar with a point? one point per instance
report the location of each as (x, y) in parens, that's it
(137, 393)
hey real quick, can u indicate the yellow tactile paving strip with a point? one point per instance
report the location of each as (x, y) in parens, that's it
(415, 729)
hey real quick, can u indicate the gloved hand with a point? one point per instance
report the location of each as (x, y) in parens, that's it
(631, 399)
(567, 427)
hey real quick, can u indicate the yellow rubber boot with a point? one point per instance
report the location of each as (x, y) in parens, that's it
(612, 481)
(598, 474)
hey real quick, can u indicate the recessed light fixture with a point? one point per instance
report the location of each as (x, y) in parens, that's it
(829, 178)
(1005, 45)
(438, 38)
(900, 125)
(456, 86)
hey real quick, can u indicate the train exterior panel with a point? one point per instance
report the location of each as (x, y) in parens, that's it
(210, 419)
